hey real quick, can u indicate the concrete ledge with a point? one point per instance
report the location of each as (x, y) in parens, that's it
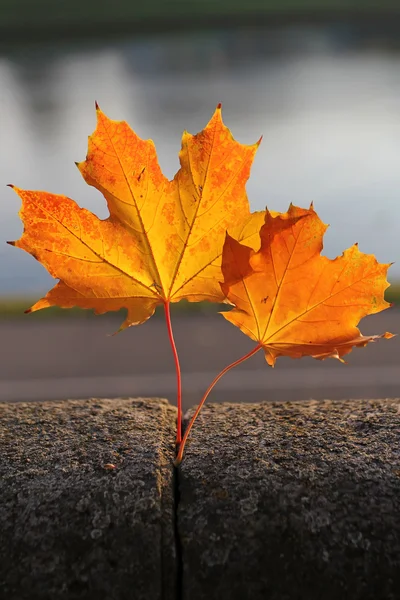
(292, 501)
(276, 502)
(73, 526)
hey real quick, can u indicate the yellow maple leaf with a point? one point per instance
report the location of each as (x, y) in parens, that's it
(163, 239)
(295, 302)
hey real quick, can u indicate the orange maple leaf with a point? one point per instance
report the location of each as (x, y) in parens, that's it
(295, 302)
(163, 239)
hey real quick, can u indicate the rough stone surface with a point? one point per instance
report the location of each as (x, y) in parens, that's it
(292, 501)
(74, 527)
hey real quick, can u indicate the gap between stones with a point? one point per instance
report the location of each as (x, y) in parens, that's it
(178, 543)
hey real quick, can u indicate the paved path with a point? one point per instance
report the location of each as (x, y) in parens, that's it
(68, 358)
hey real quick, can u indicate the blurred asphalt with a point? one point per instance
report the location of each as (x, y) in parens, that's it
(77, 358)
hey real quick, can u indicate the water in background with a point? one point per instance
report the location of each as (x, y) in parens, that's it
(326, 102)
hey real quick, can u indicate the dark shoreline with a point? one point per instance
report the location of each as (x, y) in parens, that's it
(84, 23)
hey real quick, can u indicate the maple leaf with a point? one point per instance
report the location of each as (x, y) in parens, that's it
(295, 302)
(163, 239)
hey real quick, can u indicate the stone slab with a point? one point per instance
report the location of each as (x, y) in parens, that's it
(292, 501)
(87, 502)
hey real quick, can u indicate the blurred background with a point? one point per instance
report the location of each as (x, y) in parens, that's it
(319, 79)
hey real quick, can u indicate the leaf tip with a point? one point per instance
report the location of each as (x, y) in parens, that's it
(219, 106)
(388, 336)
(27, 311)
(123, 326)
(11, 243)
(258, 143)
(96, 104)
(229, 240)
(10, 185)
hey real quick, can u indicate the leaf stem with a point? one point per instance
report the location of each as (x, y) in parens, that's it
(210, 387)
(178, 372)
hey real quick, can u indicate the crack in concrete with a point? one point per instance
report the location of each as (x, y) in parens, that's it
(178, 543)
